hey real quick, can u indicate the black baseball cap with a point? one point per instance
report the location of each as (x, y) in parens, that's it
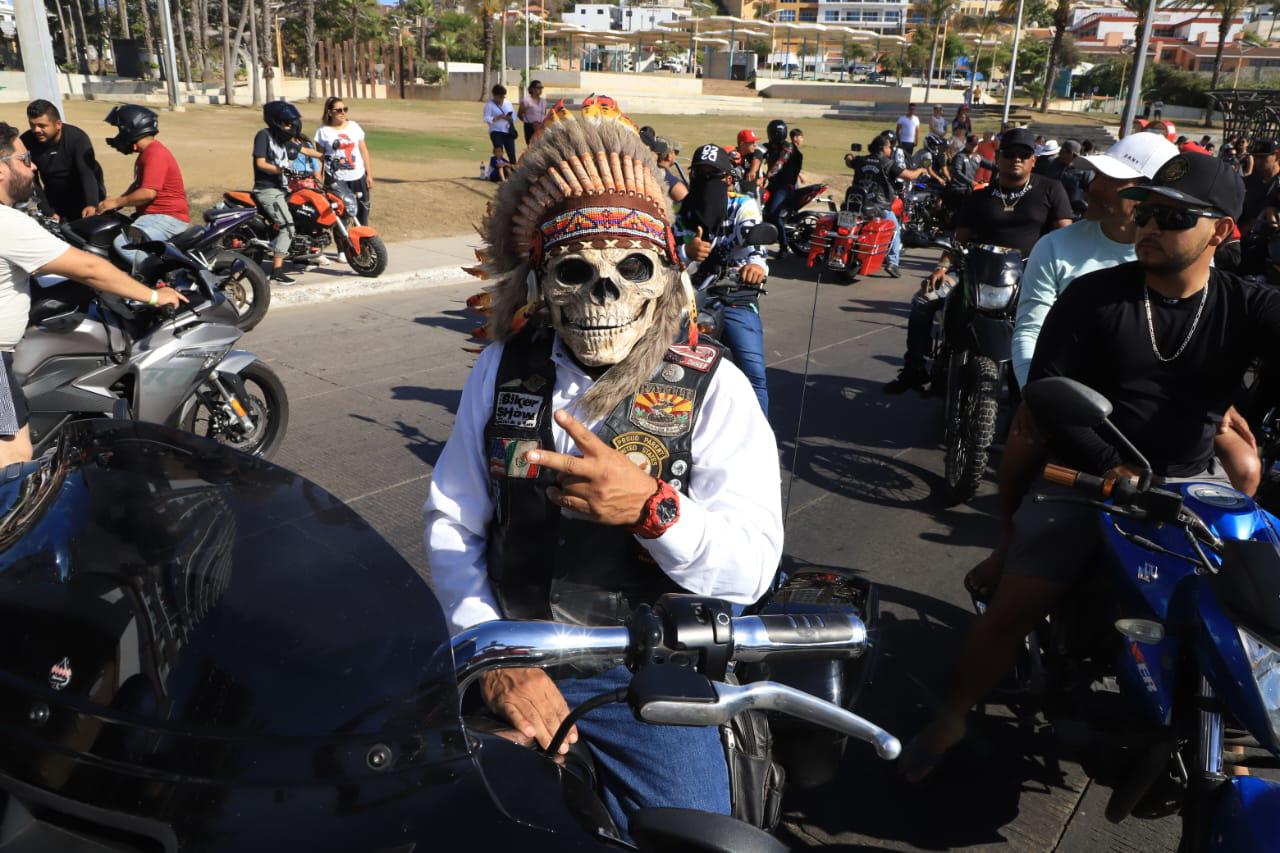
(1264, 147)
(712, 156)
(1196, 180)
(1019, 137)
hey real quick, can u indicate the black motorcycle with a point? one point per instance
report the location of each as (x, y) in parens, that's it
(972, 359)
(202, 651)
(925, 217)
(244, 284)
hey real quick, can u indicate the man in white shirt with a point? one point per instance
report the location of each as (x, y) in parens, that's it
(938, 124)
(601, 456)
(908, 127)
(26, 250)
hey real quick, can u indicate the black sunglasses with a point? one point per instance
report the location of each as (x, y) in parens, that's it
(1171, 218)
(339, 110)
(1018, 153)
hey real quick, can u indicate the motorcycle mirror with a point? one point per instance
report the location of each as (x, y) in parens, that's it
(857, 146)
(1064, 401)
(762, 235)
(942, 243)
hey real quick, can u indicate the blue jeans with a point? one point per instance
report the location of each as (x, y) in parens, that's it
(895, 245)
(743, 334)
(773, 213)
(505, 141)
(157, 226)
(646, 766)
(920, 326)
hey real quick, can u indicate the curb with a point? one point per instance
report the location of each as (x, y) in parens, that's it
(346, 288)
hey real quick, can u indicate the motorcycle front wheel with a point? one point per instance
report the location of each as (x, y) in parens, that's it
(371, 262)
(248, 290)
(264, 400)
(972, 386)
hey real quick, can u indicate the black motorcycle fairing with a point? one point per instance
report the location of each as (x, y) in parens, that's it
(1249, 586)
(993, 265)
(95, 231)
(196, 637)
(990, 336)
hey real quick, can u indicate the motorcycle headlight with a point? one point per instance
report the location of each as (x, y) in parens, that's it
(995, 297)
(1264, 663)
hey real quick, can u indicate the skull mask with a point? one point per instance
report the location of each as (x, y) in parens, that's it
(602, 301)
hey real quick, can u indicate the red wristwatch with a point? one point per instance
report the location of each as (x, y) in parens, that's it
(661, 510)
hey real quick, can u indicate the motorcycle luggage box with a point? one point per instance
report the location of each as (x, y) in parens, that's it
(95, 231)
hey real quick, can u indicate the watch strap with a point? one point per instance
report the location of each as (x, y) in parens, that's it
(661, 511)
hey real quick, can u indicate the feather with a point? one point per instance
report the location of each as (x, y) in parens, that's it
(606, 174)
(629, 174)
(581, 172)
(554, 186)
(589, 164)
(615, 166)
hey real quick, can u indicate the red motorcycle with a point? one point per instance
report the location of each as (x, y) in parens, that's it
(798, 222)
(854, 240)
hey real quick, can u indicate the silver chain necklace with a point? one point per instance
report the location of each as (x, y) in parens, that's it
(1151, 324)
(1011, 200)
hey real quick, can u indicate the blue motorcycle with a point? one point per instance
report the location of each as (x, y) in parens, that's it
(1170, 655)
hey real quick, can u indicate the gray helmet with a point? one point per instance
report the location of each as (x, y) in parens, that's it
(133, 123)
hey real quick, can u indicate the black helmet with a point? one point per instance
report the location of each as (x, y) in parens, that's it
(891, 136)
(134, 123)
(283, 119)
(776, 132)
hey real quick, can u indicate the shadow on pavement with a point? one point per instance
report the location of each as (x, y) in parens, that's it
(455, 319)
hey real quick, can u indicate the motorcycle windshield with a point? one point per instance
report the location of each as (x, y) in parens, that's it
(994, 266)
(174, 610)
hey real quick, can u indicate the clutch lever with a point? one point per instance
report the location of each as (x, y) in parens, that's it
(1130, 512)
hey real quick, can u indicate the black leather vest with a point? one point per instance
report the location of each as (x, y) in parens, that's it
(543, 562)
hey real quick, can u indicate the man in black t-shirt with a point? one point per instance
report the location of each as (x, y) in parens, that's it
(70, 177)
(1261, 184)
(274, 149)
(1013, 211)
(1167, 340)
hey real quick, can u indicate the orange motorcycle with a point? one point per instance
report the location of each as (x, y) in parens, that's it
(321, 215)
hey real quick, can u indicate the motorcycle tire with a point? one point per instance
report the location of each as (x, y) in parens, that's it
(972, 386)
(372, 260)
(250, 292)
(267, 400)
(242, 240)
(800, 231)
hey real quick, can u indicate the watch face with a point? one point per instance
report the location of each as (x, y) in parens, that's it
(666, 510)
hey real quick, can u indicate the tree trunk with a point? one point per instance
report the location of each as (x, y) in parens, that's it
(68, 36)
(123, 8)
(309, 28)
(267, 51)
(933, 56)
(84, 37)
(487, 44)
(148, 34)
(1223, 26)
(180, 22)
(102, 23)
(250, 8)
(228, 71)
(1051, 68)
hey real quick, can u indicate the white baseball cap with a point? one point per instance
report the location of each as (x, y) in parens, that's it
(1050, 149)
(1138, 155)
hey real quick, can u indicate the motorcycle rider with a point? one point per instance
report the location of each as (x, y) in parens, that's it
(594, 466)
(1013, 211)
(782, 169)
(713, 223)
(879, 170)
(1167, 340)
(275, 147)
(28, 249)
(157, 192)
(752, 159)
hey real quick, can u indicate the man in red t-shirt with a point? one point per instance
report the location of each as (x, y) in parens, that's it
(157, 191)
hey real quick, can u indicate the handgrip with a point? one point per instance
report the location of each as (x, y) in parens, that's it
(807, 628)
(812, 635)
(1078, 480)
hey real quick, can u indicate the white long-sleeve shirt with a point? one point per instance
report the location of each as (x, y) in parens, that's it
(726, 543)
(1058, 258)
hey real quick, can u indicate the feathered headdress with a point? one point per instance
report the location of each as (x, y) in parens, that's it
(587, 181)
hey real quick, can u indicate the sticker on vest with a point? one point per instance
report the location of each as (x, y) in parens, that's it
(646, 451)
(663, 409)
(513, 409)
(506, 458)
(701, 359)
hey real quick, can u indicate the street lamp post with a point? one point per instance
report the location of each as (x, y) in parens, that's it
(973, 70)
(1013, 65)
(1139, 60)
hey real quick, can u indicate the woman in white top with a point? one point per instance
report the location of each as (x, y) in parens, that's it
(501, 121)
(533, 111)
(340, 135)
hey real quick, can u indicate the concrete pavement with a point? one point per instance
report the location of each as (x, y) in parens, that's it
(374, 384)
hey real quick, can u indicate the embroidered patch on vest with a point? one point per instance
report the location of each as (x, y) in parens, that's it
(513, 409)
(663, 409)
(647, 452)
(701, 359)
(506, 458)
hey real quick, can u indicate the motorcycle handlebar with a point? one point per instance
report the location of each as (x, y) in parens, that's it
(1097, 487)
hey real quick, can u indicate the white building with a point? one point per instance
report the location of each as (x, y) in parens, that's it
(644, 18)
(597, 17)
(875, 15)
(8, 23)
(1116, 27)
(601, 17)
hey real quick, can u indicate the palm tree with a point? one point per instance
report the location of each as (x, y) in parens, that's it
(1061, 20)
(488, 8)
(228, 72)
(446, 41)
(935, 13)
(1227, 11)
(309, 28)
(123, 8)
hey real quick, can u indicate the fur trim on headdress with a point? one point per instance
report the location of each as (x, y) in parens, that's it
(578, 163)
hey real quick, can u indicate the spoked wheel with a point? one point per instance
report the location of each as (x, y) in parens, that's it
(972, 385)
(371, 261)
(265, 402)
(247, 289)
(800, 231)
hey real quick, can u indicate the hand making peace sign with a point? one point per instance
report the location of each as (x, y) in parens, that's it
(601, 484)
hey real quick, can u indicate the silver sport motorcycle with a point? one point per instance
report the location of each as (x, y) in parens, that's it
(88, 354)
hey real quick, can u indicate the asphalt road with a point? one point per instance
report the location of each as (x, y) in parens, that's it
(373, 385)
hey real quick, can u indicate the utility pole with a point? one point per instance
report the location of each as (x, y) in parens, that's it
(170, 57)
(973, 67)
(1013, 65)
(1139, 61)
(37, 52)
(526, 43)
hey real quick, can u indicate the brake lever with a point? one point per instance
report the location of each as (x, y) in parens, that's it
(1133, 513)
